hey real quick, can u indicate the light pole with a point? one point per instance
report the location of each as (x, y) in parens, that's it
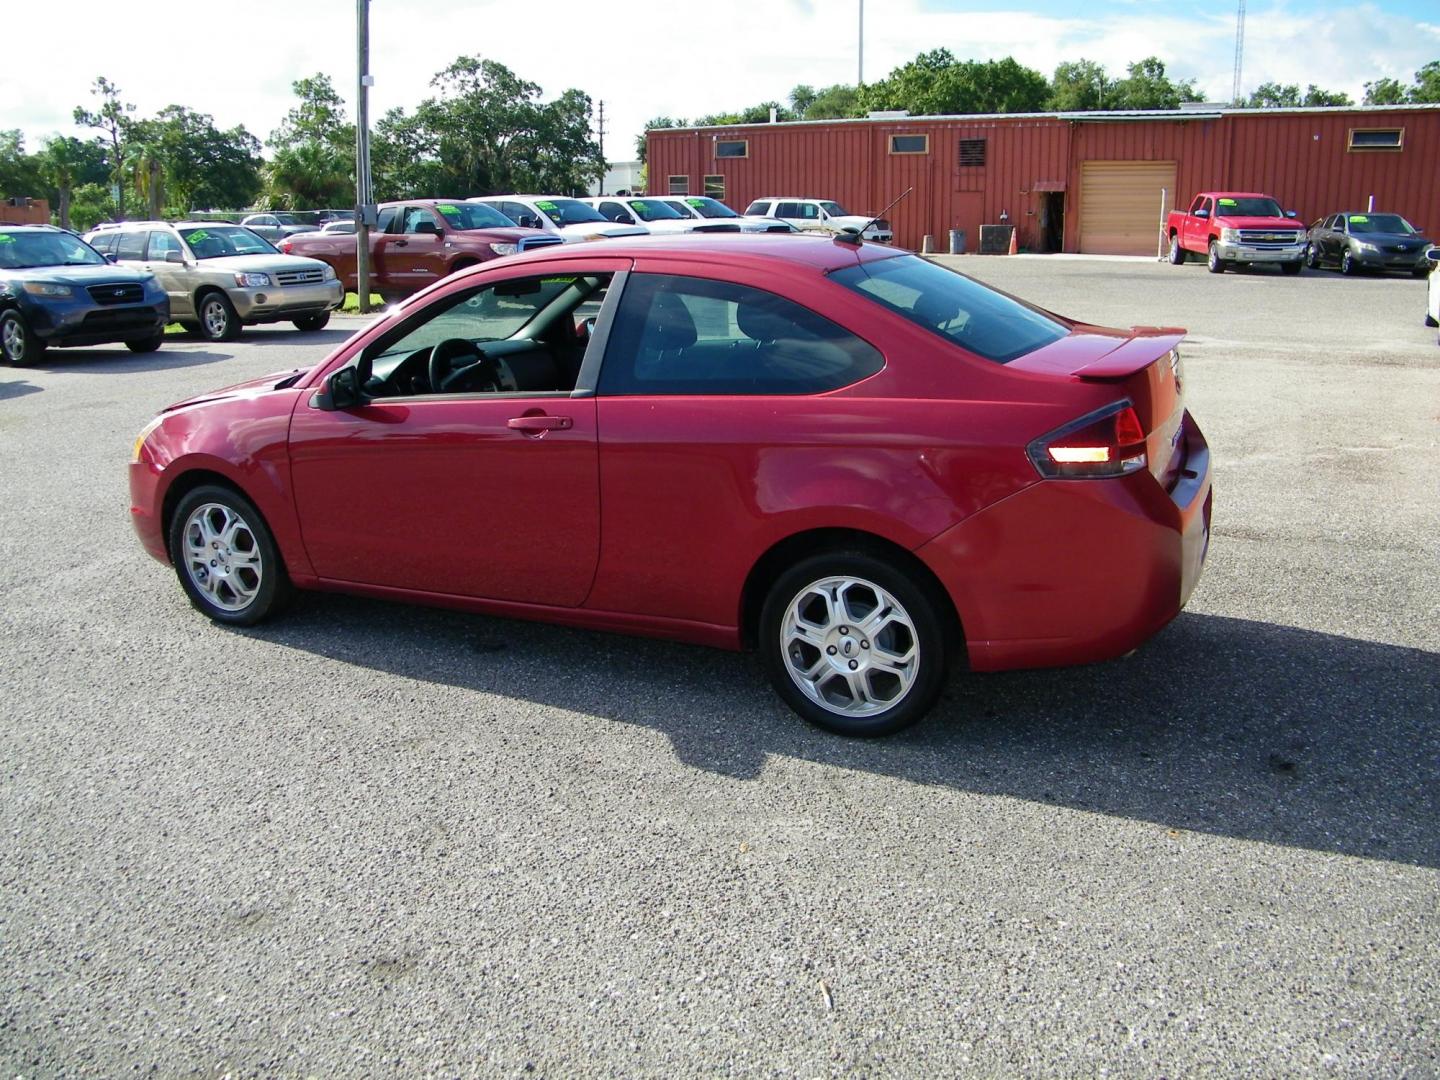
(860, 77)
(363, 195)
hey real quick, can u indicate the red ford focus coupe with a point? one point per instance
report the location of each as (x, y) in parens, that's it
(850, 458)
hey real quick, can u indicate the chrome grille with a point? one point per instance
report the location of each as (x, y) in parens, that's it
(300, 277)
(124, 292)
(539, 241)
(1266, 236)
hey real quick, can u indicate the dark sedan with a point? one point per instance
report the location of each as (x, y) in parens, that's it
(1353, 242)
(55, 289)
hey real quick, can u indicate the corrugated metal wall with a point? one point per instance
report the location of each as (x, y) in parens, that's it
(1300, 158)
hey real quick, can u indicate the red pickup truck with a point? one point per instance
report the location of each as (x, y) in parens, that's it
(417, 242)
(1235, 228)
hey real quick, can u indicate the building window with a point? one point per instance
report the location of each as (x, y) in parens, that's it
(972, 152)
(732, 148)
(909, 144)
(679, 185)
(715, 187)
(1377, 138)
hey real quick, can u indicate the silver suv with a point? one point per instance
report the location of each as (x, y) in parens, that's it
(221, 277)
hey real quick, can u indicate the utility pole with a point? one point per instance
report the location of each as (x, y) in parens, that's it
(1239, 53)
(363, 196)
(860, 76)
(600, 130)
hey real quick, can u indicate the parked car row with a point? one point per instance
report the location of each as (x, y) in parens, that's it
(1237, 228)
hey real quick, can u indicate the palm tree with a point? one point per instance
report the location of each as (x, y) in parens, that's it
(309, 175)
(60, 163)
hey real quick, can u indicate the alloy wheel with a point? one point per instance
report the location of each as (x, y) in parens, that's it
(215, 318)
(13, 341)
(222, 556)
(850, 646)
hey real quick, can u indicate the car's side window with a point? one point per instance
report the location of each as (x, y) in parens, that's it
(613, 211)
(788, 210)
(521, 335)
(105, 242)
(385, 219)
(684, 335)
(758, 208)
(161, 244)
(1197, 204)
(131, 245)
(417, 218)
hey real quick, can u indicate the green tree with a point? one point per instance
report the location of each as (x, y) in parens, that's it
(650, 125)
(90, 204)
(308, 176)
(65, 163)
(1317, 98)
(1274, 96)
(1427, 85)
(835, 103)
(19, 171)
(801, 98)
(1385, 92)
(318, 117)
(1146, 86)
(113, 120)
(936, 83)
(1079, 86)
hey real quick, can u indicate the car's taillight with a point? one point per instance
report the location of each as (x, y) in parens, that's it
(284, 245)
(1107, 442)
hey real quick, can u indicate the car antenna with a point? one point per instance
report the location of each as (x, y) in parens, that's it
(852, 235)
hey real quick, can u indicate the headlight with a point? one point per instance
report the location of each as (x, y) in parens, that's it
(140, 439)
(1365, 245)
(46, 288)
(252, 281)
(505, 249)
(328, 274)
(1229, 236)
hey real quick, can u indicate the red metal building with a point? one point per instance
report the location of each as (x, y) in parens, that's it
(1089, 182)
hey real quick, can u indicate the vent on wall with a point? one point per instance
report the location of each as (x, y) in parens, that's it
(972, 152)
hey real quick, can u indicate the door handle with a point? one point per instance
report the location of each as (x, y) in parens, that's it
(402, 242)
(539, 423)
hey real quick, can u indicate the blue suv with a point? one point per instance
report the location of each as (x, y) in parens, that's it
(55, 289)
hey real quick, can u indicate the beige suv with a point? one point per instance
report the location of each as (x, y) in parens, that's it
(221, 277)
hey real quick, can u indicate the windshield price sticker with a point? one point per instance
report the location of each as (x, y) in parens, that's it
(1358, 219)
(198, 235)
(1228, 202)
(6, 238)
(449, 211)
(642, 207)
(547, 206)
(697, 203)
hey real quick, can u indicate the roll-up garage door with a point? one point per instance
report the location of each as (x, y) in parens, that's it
(1120, 205)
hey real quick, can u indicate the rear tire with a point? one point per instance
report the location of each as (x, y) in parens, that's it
(311, 323)
(1213, 262)
(853, 644)
(1177, 253)
(18, 343)
(144, 345)
(226, 558)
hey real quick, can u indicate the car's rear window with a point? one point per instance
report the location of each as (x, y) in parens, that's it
(957, 308)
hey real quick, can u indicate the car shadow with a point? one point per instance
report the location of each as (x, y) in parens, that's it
(18, 388)
(1224, 726)
(287, 335)
(86, 360)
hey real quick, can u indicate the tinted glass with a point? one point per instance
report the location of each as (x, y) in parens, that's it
(103, 241)
(1380, 223)
(908, 144)
(45, 248)
(683, 335)
(792, 210)
(710, 208)
(613, 211)
(386, 218)
(161, 244)
(132, 245)
(834, 209)
(731, 148)
(1248, 207)
(654, 210)
(218, 241)
(463, 216)
(953, 306)
(417, 217)
(760, 208)
(567, 211)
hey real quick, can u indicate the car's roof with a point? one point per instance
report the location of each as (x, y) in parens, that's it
(791, 198)
(759, 251)
(521, 196)
(34, 226)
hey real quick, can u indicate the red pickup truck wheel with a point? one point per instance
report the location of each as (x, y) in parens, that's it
(1177, 253)
(1213, 262)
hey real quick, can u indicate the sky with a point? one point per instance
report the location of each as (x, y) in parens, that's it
(683, 58)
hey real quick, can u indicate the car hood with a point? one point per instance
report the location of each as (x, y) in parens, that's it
(260, 264)
(1276, 223)
(1410, 240)
(76, 275)
(249, 388)
(856, 221)
(601, 228)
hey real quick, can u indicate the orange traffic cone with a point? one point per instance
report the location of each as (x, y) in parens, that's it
(1014, 245)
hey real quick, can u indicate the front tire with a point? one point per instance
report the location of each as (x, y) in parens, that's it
(144, 345)
(1213, 262)
(853, 644)
(1312, 257)
(1348, 265)
(1177, 253)
(218, 321)
(18, 343)
(311, 323)
(226, 558)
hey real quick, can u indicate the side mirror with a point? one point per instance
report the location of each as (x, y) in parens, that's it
(111, 257)
(1202, 213)
(529, 221)
(174, 257)
(341, 390)
(1291, 214)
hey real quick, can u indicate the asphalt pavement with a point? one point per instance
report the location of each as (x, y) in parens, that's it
(369, 839)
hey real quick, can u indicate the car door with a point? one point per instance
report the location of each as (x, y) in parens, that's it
(416, 257)
(173, 276)
(480, 492)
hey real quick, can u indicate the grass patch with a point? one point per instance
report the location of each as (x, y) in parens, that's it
(352, 303)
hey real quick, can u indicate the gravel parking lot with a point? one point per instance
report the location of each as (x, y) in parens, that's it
(369, 839)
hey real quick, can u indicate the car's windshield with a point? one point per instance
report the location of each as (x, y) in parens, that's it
(977, 318)
(1240, 206)
(288, 219)
(463, 216)
(1380, 223)
(567, 211)
(218, 241)
(654, 210)
(24, 249)
(710, 208)
(834, 209)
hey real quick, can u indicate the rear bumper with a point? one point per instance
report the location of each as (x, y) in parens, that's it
(1074, 571)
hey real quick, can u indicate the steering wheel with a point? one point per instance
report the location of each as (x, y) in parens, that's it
(450, 357)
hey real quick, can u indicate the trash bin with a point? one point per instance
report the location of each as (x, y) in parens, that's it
(957, 241)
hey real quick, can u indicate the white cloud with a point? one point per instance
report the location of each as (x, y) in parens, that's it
(684, 58)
